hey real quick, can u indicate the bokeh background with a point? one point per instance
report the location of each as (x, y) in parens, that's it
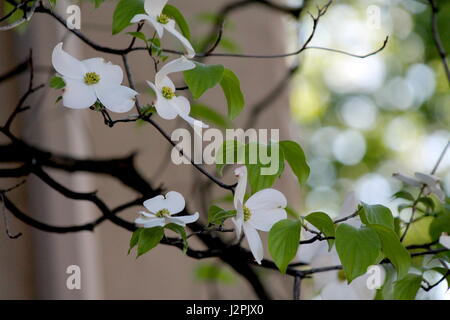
(358, 120)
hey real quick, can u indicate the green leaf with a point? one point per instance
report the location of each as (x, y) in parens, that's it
(138, 35)
(174, 13)
(258, 177)
(324, 224)
(403, 195)
(134, 239)
(357, 249)
(418, 232)
(231, 151)
(124, 12)
(203, 77)
(203, 112)
(208, 272)
(393, 249)
(292, 213)
(57, 83)
(217, 215)
(181, 231)
(439, 225)
(376, 214)
(284, 240)
(97, 3)
(232, 89)
(296, 158)
(148, 239)
(406, 288)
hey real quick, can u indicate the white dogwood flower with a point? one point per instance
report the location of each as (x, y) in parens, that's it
(260, 212)
(431, 183)
(92, 79)
(168, 104)
(161, 210)
(445, 240)
(162, 22)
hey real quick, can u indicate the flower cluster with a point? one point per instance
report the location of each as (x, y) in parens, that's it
(94, 80)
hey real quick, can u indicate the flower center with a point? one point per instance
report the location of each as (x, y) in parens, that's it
(162, 213)
(91, 78)
(247, 214)
(341, 275)
(167, 93)
(163, 19)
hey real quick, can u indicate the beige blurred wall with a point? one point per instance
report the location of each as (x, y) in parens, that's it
(34, 266)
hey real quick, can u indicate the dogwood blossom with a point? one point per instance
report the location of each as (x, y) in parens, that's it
(431, 183)
(161, 210)
(92, 79)
(260, 212)
(445, 240)
(162, 22)
(167, 104)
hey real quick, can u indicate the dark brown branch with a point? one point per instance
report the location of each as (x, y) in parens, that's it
(437, 38)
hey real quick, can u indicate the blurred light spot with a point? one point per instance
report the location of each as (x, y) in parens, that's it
(306, 103)
(446, 183)
(347, 74)
(422, 80)
(412, 49)
(401, 134)
(403, 24)
(349, 147)
(322, 140)
(359, 113)
(373, 188)
(323, 199)
(323, 172)
(398, 94)
(431, 150)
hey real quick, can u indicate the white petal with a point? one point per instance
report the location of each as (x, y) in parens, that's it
(264, 219)
(438, 192)
(407, 180)
(445, 241)
(155, 204)
(163, 107)
(152, 20)
(194, 123)
(154, 7)
(116, 98)
(181, 104)
(338, 291)
(266, 199)
(237, 226)
(239, 192)
(427, 179)
(166, 82)
(157, 222)
(177, 65)
(439, 292)
(175, 202)
(147, 214)
(183, 220)
(78, 95)
(108, 72)
(350, 204)
(239, 219)
(65, 64)
(139, 17)
(254, 242)
(170, 27)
